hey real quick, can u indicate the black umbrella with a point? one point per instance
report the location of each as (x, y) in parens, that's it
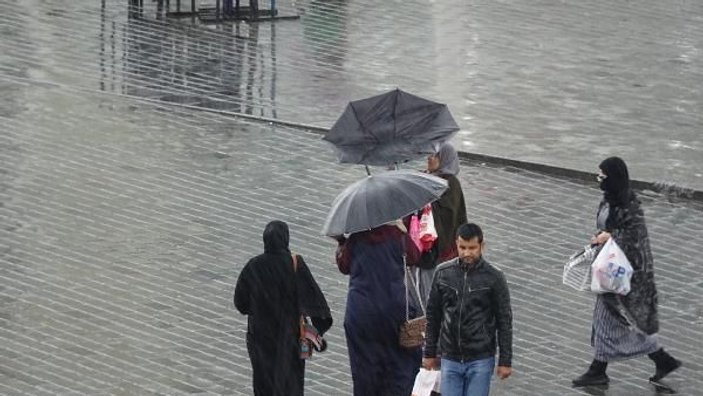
(378, 199)
(390, 128)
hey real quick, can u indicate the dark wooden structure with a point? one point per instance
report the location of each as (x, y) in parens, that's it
(221, 10)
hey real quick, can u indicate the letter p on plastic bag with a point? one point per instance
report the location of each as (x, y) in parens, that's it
(611, 270)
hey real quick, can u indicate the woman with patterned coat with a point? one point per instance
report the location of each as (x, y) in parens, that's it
(625, 326)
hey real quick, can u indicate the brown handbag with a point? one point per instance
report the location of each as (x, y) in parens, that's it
(412, 331)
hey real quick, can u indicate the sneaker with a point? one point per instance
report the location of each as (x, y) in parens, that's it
(589, 379)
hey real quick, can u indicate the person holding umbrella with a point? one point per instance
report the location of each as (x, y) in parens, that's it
(449, 212)
(384, 129)
(375, 256)
(374, 261)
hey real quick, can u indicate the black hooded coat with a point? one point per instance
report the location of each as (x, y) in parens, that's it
(274, 295)
(627, 227)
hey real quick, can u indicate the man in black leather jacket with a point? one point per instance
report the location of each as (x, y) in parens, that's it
(468, 316)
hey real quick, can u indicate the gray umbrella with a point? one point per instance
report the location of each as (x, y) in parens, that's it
(390, 128)
(379, 199)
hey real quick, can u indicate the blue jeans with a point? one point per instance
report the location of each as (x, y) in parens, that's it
(467, 379)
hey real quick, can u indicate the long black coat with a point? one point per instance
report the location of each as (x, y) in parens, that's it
(274, 295)
(627, 227)
(266, 291)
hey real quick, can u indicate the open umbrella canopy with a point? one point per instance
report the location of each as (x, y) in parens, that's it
(390, 128)
(381, 198)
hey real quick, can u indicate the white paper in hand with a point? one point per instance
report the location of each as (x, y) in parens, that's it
(426, 381)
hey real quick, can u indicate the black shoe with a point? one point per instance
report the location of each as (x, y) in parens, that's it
(662, 372)
(589, 379)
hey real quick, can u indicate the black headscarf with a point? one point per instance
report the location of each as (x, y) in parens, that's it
(616, 186)
(276, 238)
(310, 299)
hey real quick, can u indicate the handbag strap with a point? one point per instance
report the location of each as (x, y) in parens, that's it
(405, 286)
(407, 292)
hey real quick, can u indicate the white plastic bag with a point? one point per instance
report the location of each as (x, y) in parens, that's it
(611, 271)
(426, 381)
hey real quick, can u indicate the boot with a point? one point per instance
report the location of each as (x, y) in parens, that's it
(665, 364)
(594, 376)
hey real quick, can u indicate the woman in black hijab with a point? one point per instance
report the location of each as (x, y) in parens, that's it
(274, 289)
(625, 326)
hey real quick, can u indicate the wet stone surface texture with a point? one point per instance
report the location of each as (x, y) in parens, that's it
(124, 224)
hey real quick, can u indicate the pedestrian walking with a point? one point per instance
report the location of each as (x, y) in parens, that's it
(376, 303)
(468, 318)
(276, 290)
(449, 212)
(625, 326)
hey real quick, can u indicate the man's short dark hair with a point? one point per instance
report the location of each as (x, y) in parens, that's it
(469, 231)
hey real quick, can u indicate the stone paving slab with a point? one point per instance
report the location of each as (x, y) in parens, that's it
(125, 225)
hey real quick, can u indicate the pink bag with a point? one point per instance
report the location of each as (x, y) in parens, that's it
(428, 232)
(414, 231)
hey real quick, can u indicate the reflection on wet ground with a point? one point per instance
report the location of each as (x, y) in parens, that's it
(124, 224)
(555, 83)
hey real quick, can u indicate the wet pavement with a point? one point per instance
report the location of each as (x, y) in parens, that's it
(550, 82)
(126, 223)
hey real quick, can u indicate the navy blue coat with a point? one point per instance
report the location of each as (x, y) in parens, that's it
(376, 309)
